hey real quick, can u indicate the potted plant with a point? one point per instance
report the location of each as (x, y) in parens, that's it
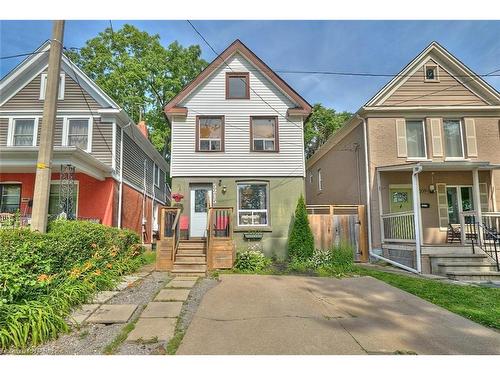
(177, 197)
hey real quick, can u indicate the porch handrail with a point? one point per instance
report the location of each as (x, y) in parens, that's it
(487, 240)
(219, 226)
(398, 226)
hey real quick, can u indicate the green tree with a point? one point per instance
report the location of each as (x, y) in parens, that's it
(141, 75)
(300, 240)
(321, 124)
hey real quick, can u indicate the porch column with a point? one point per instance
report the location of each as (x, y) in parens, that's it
(380, 209)
(417, 216)
(477, 199)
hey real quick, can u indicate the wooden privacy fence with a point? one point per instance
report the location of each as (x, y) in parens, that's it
(335, 224)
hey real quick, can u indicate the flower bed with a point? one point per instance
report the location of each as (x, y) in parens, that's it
(43, 276)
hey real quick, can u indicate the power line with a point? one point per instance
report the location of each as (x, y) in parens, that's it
(22, 55)
(356, 74)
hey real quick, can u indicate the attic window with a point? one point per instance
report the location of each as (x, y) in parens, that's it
(431, 73)
(237, 85)
(43, 86)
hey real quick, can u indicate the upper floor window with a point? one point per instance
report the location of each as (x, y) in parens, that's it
(156, 176)
(320, 180)
(78, 132)
(453, 141)
(210, 133)
(23, 132)
(237, 85)
(431, 73)
(10, 197)
(43, 86)
(264, 133)
(415, 139)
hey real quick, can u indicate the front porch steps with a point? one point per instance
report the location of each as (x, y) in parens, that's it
(466, 267)
(191, 258)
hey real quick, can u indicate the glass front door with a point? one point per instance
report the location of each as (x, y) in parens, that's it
(459, 200)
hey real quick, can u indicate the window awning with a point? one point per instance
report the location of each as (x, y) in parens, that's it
(459, 165)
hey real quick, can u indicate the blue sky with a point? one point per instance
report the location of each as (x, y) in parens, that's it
(382, 47)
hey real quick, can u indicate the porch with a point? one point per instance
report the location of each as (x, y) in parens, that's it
(430, 209)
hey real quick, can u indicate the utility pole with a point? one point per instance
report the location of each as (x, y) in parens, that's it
(39, 215)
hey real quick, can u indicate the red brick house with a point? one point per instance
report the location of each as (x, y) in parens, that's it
(119, 178)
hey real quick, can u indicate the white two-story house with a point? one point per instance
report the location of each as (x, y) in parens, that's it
(237, 142)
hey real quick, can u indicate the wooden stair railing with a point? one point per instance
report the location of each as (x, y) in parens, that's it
(169, 237)
(219, 237)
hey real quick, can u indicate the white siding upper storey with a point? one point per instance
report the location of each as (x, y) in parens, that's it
(237, 159)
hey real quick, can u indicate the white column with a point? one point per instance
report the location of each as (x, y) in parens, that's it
(416, 216)
(477, 199)
(380, 208)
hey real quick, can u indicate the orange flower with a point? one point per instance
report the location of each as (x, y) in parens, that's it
(43, 277)
(109, 265)
(75, 272)
(94, 245)
(98, 272)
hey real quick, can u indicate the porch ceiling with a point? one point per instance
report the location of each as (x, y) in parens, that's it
(461, 165)
(24, 159)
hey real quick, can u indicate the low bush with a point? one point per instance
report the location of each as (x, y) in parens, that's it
(251, 261)
(336, 261)
(43, 276)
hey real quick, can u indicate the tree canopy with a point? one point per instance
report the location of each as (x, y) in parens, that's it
(321, 124)
(140, 74)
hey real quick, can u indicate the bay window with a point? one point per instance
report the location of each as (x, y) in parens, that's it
(415, 139)
(210, 133)
(264, 133)
(453, 141)
(252, 204)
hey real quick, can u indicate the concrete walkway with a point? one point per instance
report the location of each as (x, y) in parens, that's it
(250, 314)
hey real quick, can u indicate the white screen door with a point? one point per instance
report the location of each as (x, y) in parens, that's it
(200, 196)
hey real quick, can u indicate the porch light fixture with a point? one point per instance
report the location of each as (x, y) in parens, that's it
(224, 189)
(432, 189)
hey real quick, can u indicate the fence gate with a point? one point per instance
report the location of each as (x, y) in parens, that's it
(332, 225)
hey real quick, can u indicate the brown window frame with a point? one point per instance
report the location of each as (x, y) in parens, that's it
(276, 134)
(222, 136)
(244, 75)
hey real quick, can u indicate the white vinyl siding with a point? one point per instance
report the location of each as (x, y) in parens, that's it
(238, 160)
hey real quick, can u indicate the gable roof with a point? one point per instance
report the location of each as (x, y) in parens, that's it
(303, 107)
(437, 53)
(34, 64)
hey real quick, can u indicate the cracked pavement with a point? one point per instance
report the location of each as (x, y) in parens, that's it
(266, 314)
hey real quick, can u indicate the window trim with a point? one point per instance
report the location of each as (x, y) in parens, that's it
(65, 134)
(11, 130)
(460, 126)
(222, 135)
(431, 65)
(424, 131)
(20, 191)
(276, 134)
(246, 76)
(77, 184)
(43, 86)
(320, 180)
(267, 210)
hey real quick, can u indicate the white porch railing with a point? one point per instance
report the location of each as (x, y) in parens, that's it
(398, 227)
(491, 220)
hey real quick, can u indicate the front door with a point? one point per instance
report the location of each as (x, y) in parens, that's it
(200, 196)
(459, 200)
(401, 199)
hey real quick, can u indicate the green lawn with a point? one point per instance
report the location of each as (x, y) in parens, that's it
(478, 303)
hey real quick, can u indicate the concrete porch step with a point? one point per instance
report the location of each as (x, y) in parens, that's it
(188, 273)
(444, 268)
(459, 257)
(474, 276)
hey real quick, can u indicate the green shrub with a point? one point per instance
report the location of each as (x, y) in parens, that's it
(301, 240)
(43, 276)
(251, 261)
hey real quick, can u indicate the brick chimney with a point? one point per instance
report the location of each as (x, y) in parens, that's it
(143, 129)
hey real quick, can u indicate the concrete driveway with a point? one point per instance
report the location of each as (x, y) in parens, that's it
(251, 314)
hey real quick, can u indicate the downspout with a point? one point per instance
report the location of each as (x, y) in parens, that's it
(120, 186)
(367, 178)
(416, 215)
